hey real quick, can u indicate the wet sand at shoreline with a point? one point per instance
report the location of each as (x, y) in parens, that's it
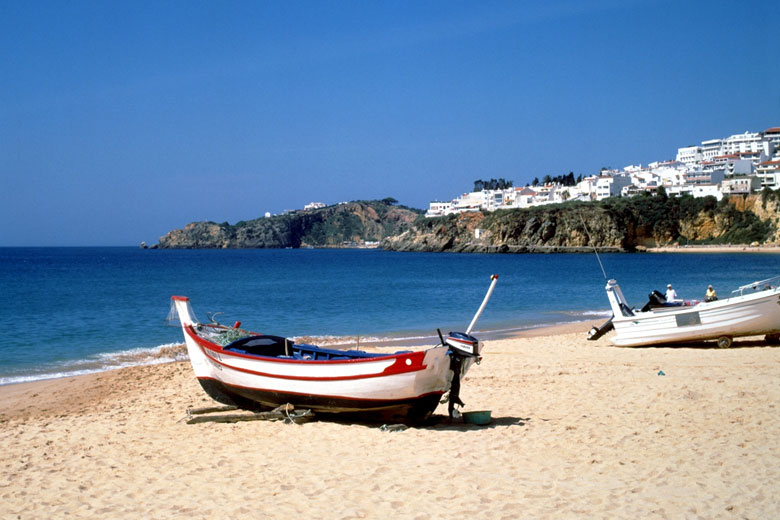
(581, 429)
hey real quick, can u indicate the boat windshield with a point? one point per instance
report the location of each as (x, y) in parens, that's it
(761, 285)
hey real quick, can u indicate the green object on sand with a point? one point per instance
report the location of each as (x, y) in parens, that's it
(480, 418)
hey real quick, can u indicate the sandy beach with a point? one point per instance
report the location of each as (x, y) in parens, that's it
(581, 430)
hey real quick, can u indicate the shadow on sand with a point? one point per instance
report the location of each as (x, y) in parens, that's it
(444, 422)
(713, 345)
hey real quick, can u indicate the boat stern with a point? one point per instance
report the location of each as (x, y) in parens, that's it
(617, 301)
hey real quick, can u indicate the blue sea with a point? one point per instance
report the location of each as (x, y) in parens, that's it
(69, 311)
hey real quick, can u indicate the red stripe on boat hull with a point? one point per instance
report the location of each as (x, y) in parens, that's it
(402, 363)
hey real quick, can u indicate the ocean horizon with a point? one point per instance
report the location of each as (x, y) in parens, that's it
(77, 310)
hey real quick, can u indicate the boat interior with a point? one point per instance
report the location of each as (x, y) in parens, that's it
(283, 348)
(657, 301)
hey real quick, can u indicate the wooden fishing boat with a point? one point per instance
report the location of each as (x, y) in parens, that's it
(751, 310)
(263, 371)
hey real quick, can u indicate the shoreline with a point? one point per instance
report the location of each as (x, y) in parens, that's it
(66, 394)
(691, 248)
(14, 395)
(743, 248)
(172, 352)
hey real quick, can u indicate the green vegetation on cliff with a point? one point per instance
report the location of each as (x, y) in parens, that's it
(684, 220)
(616, 224)
(620, 224)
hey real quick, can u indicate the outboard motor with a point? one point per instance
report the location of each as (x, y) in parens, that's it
(596, 332)
(462, 346)
(655, 299)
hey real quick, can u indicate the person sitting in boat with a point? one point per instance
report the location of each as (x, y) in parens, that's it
(710, 295)
(671, 294)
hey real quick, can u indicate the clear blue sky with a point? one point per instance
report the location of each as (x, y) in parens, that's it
(120, 121)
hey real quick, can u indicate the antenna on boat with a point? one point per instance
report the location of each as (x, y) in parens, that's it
(590, 239)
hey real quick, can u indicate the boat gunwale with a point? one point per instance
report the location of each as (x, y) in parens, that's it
(402, 364)
(745, 299)
(214, 346)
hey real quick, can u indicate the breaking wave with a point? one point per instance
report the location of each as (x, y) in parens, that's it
(606, 313)
(101, 362)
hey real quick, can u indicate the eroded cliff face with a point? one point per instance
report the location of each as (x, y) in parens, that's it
(702, 227)
(359, 222)
(196, 235)
(627, 226)
(551, 229)
(768, 210)
(612, 225)
(708, 225)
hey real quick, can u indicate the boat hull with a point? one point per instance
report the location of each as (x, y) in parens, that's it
(404, 386)
(415, 409)
(748, 315)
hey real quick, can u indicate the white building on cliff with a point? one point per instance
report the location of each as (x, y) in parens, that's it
(740, 163)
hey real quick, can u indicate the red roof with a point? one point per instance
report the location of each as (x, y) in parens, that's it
(773, 130)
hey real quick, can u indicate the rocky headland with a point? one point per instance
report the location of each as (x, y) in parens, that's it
(341, 225)
(632, 224)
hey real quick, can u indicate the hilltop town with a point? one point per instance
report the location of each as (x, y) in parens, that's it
(740, 165)
(736, 165)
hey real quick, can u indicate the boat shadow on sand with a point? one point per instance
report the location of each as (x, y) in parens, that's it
(442, 423)
(289, 414)
(713, 345)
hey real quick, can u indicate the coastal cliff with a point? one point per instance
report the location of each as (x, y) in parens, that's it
(611, 225)
(766, 207)
(614, 224)
(333, 226)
